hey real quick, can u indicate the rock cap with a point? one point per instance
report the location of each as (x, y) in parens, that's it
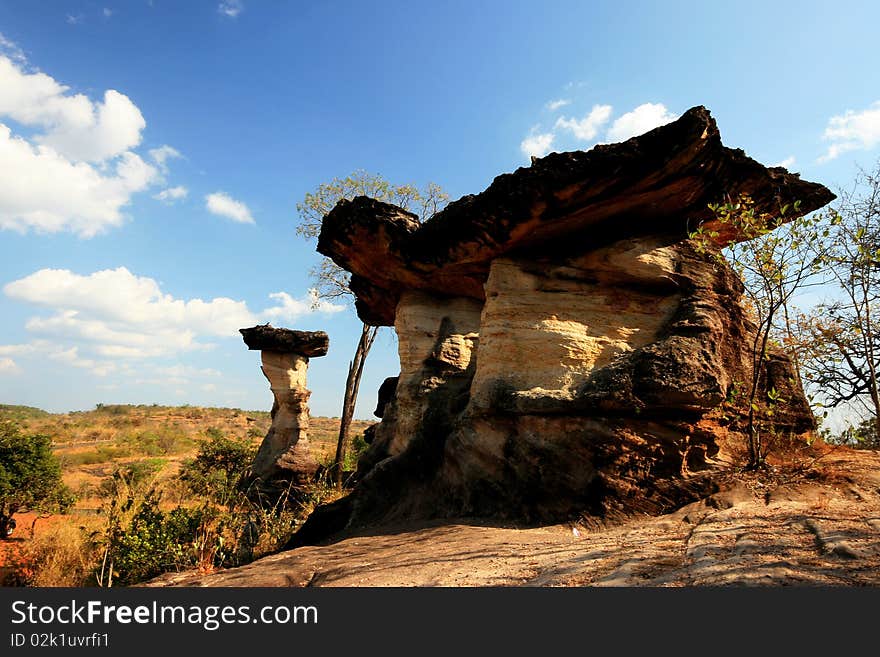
(265, 337)
(657, 184)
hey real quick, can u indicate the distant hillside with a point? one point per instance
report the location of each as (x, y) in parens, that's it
(92, 444)
(112, 421)
(20, 413)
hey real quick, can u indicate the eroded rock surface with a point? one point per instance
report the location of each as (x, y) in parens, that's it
(819, 527)
(564, 349)
(284, 456)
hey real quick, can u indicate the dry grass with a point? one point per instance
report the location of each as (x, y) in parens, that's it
(53, 551)
(61, 556)
(92, 445)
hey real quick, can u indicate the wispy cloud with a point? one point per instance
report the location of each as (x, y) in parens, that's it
(11, 50)
(554, 105)
(587, 128)
(162, 154)
(223, 205)
(172, 194)
(289, 309)
(8, 366)
(230, 8)
(852, 131)
(47, 350)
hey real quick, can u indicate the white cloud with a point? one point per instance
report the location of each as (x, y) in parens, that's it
(852, 131)
(106, 130)
(588, 127)
(162, 154)
(103, 302)
(41, 190)
(172, 194)
(787, 163)
(186, 371)
(111, 339)
(554, 105)
(537, 145)
(8, 366)
(107, 12)
(230, 8)
(291, 309)
(11, 50)
(74, 19)
(642, 119)
(76, 171)
(76, 127)
(118, 315)
(69, 356)
(221, 204)
(14, 349)
(178, 375)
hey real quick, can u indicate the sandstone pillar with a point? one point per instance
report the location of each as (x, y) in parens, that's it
(284, 456)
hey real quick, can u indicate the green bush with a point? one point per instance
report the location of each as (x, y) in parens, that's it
(358, 447)
(219, 468)
(221, 526)
(141, 541)
(30, 476)
(135, 476)
(863, 436)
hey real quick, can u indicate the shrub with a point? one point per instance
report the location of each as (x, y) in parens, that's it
(358, 447)
(30, 476)
(140, 541)
(862, 436)
(219, 467)
(61, 555)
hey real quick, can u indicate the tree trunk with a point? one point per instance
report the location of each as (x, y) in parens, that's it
(869, 340)
(759, 355)
(352, 384)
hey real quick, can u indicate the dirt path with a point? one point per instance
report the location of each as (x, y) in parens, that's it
(823, 529)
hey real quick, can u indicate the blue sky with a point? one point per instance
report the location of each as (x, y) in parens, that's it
(152, 153)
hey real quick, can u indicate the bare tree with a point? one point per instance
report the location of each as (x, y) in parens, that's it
(842, 358)
(775, 259)
(333, 282)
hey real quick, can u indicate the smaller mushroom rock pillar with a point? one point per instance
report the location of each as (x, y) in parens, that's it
(284, 455)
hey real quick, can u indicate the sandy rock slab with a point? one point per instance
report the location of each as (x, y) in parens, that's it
(821, 527)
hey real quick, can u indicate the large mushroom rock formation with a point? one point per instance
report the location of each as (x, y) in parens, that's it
(284, 456)
(564, 348)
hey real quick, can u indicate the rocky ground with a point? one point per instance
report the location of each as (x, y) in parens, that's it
(817, 524)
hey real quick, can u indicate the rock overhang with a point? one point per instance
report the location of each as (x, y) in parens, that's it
(311, 344)
(659, 183)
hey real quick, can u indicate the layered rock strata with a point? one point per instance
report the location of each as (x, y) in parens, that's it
(284, 457)
(564, 348)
